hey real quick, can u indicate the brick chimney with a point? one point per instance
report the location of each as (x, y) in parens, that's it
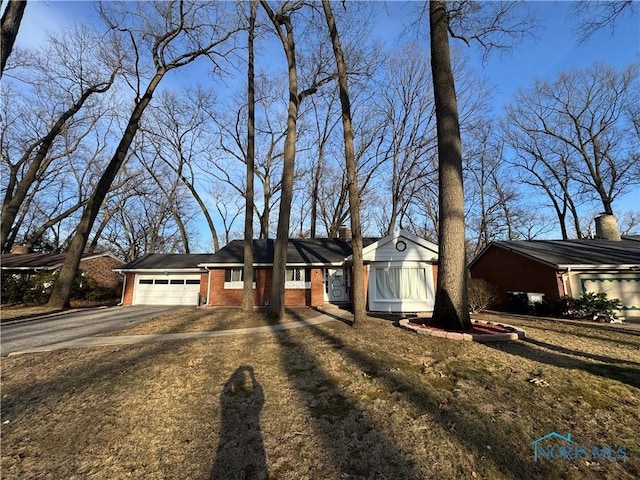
(344, 233)
(20, 249)
(607, 227)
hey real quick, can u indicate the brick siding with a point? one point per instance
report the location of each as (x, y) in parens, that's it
(220, 296)
(510, 272)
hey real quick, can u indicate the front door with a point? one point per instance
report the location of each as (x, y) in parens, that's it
(336, 288)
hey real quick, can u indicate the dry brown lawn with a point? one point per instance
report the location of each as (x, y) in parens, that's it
(324, 402)
(190, 319)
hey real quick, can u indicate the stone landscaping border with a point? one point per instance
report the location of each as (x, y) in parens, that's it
(514, 333)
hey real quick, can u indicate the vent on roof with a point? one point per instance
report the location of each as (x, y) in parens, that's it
(607, 227)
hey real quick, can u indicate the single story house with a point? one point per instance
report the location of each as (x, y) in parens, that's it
(98, 267)
(564, 267)
(400, 274)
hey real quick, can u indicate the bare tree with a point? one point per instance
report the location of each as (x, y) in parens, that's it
(247, 292)
(358, 301)
(451, 306)
(409, 137)
(580, 129)
(594, 16)
(166, 27)
(11, 19)
(177, 134)
(70, 82)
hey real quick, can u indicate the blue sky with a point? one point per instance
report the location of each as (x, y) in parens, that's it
(553, 49)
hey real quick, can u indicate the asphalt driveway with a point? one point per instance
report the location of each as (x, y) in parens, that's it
(63, 327)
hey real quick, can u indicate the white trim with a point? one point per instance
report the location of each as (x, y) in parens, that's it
(258, 265)
(159, 271)
(297, 285)
(236, 285)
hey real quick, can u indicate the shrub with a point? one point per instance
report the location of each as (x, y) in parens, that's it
(481, 294)
(592, 306)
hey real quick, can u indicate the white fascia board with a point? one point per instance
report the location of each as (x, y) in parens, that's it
(237, 265)
(601, 267)
(158, 270)
(32, 268)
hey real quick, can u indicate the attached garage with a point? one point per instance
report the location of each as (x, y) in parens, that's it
(165, 279)
(169, 289)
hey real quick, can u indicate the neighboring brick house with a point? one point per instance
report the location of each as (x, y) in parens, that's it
(98, 267)
(564, 267)
(400, 272)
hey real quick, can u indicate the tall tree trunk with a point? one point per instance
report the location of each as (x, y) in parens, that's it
(61, 294)
(358, 301)
(276, 299)
(451, 306)
(11, 19)
(247, 292)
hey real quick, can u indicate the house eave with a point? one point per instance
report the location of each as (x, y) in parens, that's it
(259, 265)
(156, 270)
(631, 267)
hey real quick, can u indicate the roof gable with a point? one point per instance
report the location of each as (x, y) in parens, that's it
(414, 248)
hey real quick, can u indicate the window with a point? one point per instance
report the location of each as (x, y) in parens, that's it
(176, 282)
(161, 282)
(297, 278)
(234, 278)
(233, 275)
(144, 281)
(193, 282)
(397, 283)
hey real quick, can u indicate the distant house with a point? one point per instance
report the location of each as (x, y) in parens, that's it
(564, 267)
(98, 267)
(400, 272)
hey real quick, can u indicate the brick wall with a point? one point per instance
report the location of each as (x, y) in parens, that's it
(100, 269)
(511, 272)
(219, 296)
(127, 295)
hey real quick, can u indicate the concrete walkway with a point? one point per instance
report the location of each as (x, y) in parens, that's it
(164, 337)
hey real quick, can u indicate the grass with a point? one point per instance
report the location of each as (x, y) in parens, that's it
(325, 401)
(190, 319)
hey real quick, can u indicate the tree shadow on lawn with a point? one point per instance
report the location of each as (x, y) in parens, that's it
(577, 353)
(91, 372)
(543, 352)
(349, 436)
(581, 334)
(472, 428)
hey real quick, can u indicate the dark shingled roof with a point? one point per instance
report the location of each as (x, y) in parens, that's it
(168, 261)
(37, 260)
(299, 251)
(579, 252)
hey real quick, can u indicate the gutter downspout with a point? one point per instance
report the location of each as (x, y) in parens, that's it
(124, 286)
(565, 277)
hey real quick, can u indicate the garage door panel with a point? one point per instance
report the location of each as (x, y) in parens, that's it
(171, 289)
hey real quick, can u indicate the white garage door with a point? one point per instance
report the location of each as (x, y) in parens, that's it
(170, 289)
